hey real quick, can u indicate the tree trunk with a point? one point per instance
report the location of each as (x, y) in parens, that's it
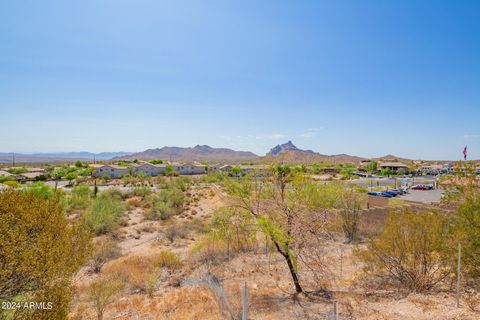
(291, 267)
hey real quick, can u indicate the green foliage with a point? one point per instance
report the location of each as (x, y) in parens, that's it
(104, 213)
(40, 251)
(167, 260)
(168, 169)
(79, 197)
(5, 179)
(371, 167)
(410, 250)
(86, 172)
(236, 171)
(102, 292)
(40, 189)
(467, 231)
(169, 200)
(141, 192)
(78, 164)
(233, 227)
(12, 183)
(215, 177)
(386, 172)
(17, 170)
(71, 176)
(348, 172)
(156, 161)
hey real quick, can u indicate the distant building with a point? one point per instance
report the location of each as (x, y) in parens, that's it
(393, 166)
(149, 169)
(109, 170)
(188, 169)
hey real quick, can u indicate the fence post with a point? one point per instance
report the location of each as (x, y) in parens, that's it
(458, 273)
(335, 310)
(244, 301)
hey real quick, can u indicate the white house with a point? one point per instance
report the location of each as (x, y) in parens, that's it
(109, 170)
(149, 169)
(191, 169)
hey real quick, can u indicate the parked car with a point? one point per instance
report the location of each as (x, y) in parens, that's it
(394, 192)
(422, 187)
(380, 194)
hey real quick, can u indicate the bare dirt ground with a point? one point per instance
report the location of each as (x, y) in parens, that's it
(271, 294)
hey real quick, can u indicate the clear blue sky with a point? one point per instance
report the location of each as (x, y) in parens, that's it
(360, 77)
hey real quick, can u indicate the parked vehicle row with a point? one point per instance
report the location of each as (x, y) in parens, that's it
(389, 193)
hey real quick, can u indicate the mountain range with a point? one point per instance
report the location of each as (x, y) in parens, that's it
(289, 153)
(282, 153)
(59, 156)
(197, 153)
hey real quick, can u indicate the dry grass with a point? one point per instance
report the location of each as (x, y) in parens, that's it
(179, 304)
(134, 270)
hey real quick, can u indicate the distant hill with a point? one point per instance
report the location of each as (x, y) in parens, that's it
(197, 153)
(289, 153)
(59, 156)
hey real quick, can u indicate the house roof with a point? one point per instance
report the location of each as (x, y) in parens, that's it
(108, 165)
(393, 164)
(5, 173)
(31, 175)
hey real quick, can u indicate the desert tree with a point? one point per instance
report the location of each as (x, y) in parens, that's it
(278, 203)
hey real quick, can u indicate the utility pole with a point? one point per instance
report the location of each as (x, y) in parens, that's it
(13, 159)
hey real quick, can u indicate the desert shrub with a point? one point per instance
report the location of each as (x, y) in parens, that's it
(12, 184)
(134, 202)
(135, 271)
(5, 178)
(79, 197)
(166, 203)
(142, 192)
(233, 228)
(102, 292)
(410, 250)
(167, 260)
(211, 253)
(104, 213)
(106, 249)
(467, 231)
(159, 211)
(176, 231)
(214, 177)
(116, 193)
(17, 170)
(40, 251)
(40, 189)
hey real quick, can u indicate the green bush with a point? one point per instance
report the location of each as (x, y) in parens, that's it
(159, 211)
(141, 191)
(17, 170)
(40, 189)
(80, 197)
(104, 213)
(410, 252)
(467, 231)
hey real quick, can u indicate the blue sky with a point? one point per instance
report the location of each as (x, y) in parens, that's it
(360, 77)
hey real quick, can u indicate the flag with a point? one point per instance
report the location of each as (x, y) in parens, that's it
(465, 153)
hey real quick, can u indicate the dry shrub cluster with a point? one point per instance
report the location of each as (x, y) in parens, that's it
(180, 304)
(106, 249)
(135, 271)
